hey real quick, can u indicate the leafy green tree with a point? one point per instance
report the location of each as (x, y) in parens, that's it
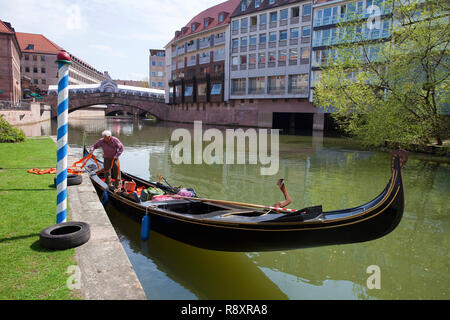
(394, 86)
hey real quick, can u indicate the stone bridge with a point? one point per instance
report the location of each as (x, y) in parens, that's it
(118, 98)
(116, 102)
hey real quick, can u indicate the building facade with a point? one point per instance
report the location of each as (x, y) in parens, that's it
(38, 63)
(157, 69)
(10, 55)
(332, 20)
(270, 60)
(196, 59)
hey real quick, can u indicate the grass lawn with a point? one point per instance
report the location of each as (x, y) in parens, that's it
(27, 206)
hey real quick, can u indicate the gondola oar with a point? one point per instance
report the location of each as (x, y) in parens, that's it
(234, 203)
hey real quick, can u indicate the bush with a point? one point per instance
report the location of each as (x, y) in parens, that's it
(8, 133)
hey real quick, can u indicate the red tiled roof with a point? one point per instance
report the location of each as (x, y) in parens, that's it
(40, 42)
(4, 28)
(212, 13)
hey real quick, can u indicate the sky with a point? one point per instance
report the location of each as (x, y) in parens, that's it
(113, 35)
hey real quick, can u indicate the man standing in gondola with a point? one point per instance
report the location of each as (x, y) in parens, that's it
(112, 149)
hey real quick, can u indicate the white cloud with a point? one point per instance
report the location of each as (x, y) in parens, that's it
(108, 50)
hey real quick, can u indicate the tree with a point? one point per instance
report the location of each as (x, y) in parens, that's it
(387, 79)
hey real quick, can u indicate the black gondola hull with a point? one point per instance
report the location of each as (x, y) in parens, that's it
(380, 219)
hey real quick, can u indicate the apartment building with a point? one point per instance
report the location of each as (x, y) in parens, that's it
(270, 60)
(332, 20)
(38, 63)
(196, 59)
(10, 55)
(157, 69)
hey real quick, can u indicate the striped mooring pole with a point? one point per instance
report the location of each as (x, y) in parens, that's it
(63, 61)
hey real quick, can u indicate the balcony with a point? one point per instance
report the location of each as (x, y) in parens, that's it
(262, 26)
(218, 41)
(283, 22)
(192, 47)
(298, 91)
(204, 60)
(192, 62)
(295, 20)
(180, 64)
(181, 51)
(219, 56)
(204, 44)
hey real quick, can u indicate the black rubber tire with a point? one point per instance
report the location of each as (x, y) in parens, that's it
(65, 235)
(72, 179)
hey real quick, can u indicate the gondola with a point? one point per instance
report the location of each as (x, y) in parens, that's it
(217, 226)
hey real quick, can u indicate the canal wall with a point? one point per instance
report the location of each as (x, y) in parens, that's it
(29, 113)
(106, 272)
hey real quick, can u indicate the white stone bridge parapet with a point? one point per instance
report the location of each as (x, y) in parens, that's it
(135, 100)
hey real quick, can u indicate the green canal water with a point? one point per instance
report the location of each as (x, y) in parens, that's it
(413, 260)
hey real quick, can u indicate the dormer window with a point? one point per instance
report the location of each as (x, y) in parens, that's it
(206, 21)
(221, 17)
(257, 3)
(194, 26)
(243, 6)
(30, 47)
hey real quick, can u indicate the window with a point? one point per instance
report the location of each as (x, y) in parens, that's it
(188, 91)
(27, 57)
(294, 33)
(283, 35)
(30, 47)
(284, 14)
(271, 1)
(243, 6)
(293, 54)
(235, 25)
(263, 18)
(304, 55)
(272, 57)
(34, 58)
(206, 22)
(253, 21)
(235, 61)
(43, 81)
(235, 43)
(257, 3)
(253, 39)
(160, 73)
(273, 16)
(307, 9)
(42, 58)
(282, 55)
(244, 41)
(160, 63)
(276, 84)
(306, 31)
(42, 70)
(244, 23)
(153, 73)
(153, 84)
(153, 63)
(256, 85)
(201, 89)
(35, 81)
(272, 37)
(27, 69)
(262, 38)
(295, 12)
(243, 59)
(216, 89)
(262, 57)
(160, 84)
(238, 86)
(252, 58)
(298, 83)
(35, 70)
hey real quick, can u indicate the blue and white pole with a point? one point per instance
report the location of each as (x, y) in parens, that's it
(63, 61)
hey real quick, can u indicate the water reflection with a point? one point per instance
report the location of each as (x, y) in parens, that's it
(413, 260)
(38, 129)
